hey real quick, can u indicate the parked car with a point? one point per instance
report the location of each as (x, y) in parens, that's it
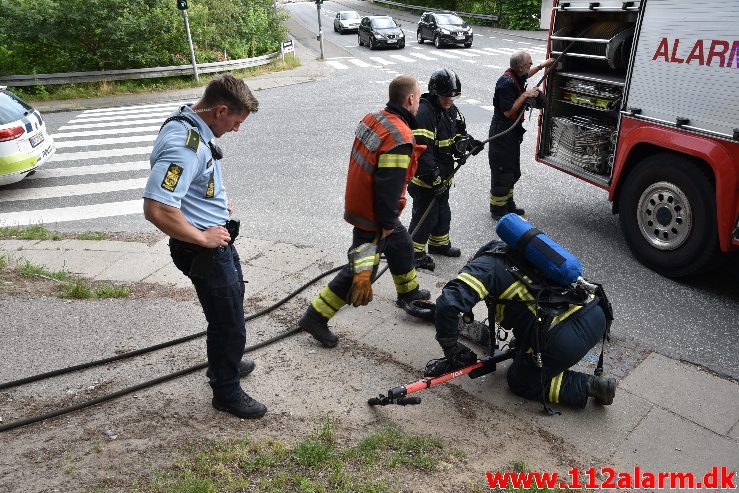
(346, 21)
(24, 143)
(380, 30)
(444, 28)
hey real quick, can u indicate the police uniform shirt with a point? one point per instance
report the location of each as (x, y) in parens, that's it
(184, 173)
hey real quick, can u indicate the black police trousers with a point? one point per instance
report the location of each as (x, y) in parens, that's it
(219, 283)
(567, 343)
(505, 163)
(435, 228)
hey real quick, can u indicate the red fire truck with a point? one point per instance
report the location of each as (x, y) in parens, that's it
(644, 103)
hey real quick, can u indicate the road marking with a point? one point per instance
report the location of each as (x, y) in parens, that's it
(402, 58)
(497, 51)
(128, 109)
(95, 169)
(337, 65)
(489, 108)
(62, 214)
(496, 66)
(83, 119)
(504, 39)
(361, 63)
(72, 190)
(523, 43)
(491, 37)
(109, 131)
(339, 58)
(76, 156)
(422, 56)
(464, 53)
(470, 61)
(159, 120)
(472, 101)
(104, 142)
(382, 60)
(481, 52)
(444, 55)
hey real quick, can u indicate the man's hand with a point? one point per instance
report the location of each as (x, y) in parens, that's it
(230, 207)
(548, 63)
(531, 93)
(214, 237)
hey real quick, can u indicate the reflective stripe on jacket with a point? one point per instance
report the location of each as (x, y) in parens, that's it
(376, 135)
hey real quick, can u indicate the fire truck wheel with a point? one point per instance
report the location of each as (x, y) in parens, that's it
(668, 215)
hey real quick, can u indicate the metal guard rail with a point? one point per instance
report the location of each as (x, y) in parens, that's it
(137, 73)
(485, 17)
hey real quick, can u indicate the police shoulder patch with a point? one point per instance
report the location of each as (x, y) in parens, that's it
(210, 163)
(210, 191)
(172, 177)
(193, 140)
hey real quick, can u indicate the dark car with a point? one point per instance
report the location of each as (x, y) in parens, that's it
(444, 28)
(380, 30)
(346, 21)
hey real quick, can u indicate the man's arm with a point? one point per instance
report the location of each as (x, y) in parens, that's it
(519, 102)
(546, 63)
(172, 222)
(392, 167)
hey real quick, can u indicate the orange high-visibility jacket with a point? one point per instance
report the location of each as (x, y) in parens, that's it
(376, 134)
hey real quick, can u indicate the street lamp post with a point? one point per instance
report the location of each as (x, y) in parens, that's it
(320, 30)
(182, 5)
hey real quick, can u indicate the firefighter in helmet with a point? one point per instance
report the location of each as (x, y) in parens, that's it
(442, 129)
(576, 323)
(384, 157)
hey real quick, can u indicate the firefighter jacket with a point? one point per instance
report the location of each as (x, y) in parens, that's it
(384, 157)
(512, 301)
(437, 130)
(507, 90)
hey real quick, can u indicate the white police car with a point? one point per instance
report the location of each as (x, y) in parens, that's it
(24, 143)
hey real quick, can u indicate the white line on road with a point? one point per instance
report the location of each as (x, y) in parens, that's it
(444, 55)
(71, 190)
(113, 124)
(108, 131)
(150, 114)
(337, 65)
(422, 56)
(361, 63)
(504, 39)
(382, 60)
(489, 108)
(103, 142)
(402, 58)
(76, 156)
(464, 53)
(496, 66)
(128, 109)
(62, 214)
(95, 169)
(472, 101)
(481, 52)
(523, 43)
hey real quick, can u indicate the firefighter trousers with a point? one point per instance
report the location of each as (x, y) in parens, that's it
(567, 343)
(398, 250)
(505, 164)
(435, 228)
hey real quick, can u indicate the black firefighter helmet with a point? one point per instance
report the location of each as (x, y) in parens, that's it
(444, 82)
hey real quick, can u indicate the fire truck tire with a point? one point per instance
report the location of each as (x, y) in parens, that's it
(668, 216)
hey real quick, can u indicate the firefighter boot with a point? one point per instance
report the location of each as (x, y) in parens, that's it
(446, 250)
(317, 326)
(602, 389)
(404, 300)
(242, 406)
(511, 207)
(423, 261)
(498, 211)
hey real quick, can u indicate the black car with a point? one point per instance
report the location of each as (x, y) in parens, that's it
(444, 28)
(380, 30)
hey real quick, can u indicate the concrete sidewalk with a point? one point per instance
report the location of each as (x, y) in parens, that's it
(667, 416)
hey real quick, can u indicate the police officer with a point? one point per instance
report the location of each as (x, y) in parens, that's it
(442, 129)
(382, 161)
(185, 198)
(504, 152)
(575, 328)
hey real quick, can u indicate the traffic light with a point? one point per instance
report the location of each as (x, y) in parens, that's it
(182, 4)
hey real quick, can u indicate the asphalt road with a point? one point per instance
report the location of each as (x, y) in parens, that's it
(285, 171)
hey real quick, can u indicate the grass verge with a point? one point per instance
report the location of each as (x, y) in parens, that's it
(33, 232)
(316, 464)
(28, 270)
(80, 288)
(112, 88)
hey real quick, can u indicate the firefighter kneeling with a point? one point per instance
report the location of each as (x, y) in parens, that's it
(512, 298)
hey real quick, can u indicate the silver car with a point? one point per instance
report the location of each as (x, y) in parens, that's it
(346, 21)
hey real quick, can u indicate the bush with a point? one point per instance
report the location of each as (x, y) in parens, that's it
(44, 36)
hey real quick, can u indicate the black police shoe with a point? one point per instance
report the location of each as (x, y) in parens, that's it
(246, 366)
(511, 206)
(446, 250)
(423, 261)
(243, 406)
(602, 389)
(498, 211)
(404, 300)
(317, 326)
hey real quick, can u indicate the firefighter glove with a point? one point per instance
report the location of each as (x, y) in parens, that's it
(476, 146)
(362, 261)
(361, 291)
(439, 186)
